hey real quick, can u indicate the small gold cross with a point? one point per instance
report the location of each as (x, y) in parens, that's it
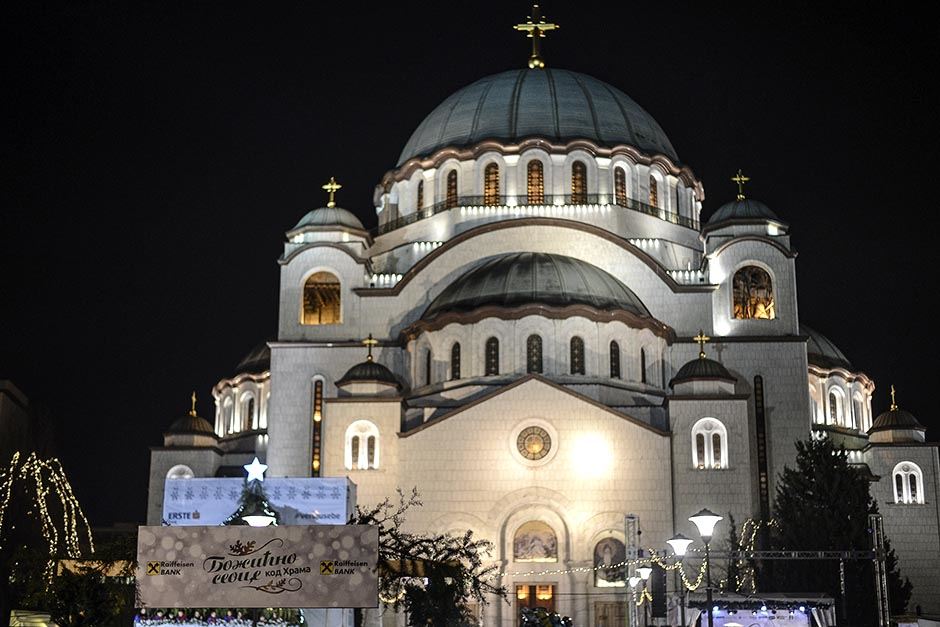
(701, 338)
(370, 342)
(894, 405)
(332, 188)
(192, 411)
(740, 179)
(536, 28)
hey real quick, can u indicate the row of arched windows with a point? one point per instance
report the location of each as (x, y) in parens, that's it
(837, 411)
(247, 417)
(534, 360)
(908, 484)
(535, 186)
(709, 445)
(362, 446)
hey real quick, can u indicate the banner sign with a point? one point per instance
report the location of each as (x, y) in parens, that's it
(298, 500)
(314, 566)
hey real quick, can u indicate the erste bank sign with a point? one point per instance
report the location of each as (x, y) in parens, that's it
(311, 566)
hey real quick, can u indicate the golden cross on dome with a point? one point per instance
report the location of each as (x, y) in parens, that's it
(332, 188)
(701, 338)
(192, 410)
(894, 405)
(370, 342)
(536, 28)
(740, 179)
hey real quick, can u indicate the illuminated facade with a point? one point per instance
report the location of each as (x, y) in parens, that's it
(535, 285)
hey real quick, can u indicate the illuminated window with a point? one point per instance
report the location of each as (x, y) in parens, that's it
(654, 192)
(535, 183)
(491, 361)
(858, 416)
(248, 419)
(620, 186)
(321, 299)
(578, 183)
(533, 354)
(836, 407)
(450, 199)
(419, 202)
(455, 361)
(816, 406)
(491, 185)
(180, 471)
(709, 444)
(614, 360)
(753, 294)
(908, 483)
(577, 355)
(362, 446)
(228, 415)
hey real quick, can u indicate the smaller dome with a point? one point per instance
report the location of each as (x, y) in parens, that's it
(369, 371)
(820, 351)
(744, 209)
(702, 368)
(258, 360)
(896, 418)
(330, 216)
(191, 424)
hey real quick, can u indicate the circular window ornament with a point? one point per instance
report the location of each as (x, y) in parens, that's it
(534, 442)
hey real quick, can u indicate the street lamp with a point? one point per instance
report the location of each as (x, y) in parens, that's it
(680, 544)
(705, 522)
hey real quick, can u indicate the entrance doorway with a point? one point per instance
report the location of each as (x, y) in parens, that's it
(533, 595)
(609, 614)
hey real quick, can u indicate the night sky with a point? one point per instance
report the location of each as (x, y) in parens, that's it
(155, 153)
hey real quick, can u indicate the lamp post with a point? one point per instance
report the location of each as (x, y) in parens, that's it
(680, 544)
(705, 522)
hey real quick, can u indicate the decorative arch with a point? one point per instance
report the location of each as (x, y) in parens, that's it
(579, 183)
(534, 541)
(362, 446)
(709, 444)
(858, 412)
(321, 299)
(908, 483)
(753, 293)
(620, 185)
(535, 182)
(654, 191)
(610, 556)
(228, 416)
(450, 192)
(491, 195)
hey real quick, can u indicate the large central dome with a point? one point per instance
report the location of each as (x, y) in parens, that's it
(558, 105)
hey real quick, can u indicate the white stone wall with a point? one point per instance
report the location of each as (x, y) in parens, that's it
(202, 461)
(913, 529)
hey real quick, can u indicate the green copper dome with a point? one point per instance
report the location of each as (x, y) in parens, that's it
(520, 279)
(557, 105)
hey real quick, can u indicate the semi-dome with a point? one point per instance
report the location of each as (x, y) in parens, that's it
(330, 216)
(700, 369)
(743, 209)
(558, 105)
(820, 351)
(367, 372)
(520, 279)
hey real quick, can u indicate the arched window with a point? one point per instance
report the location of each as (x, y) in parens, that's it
(455, 361)
(836, 408)
(228, 415)
(614, 360)
(816, 406)
(753, 294)
(427, 366)
(248, 411)
(362, 446)
(534, 541)
(450, 198)
(533, 354)
(908, 483)
(709, 444)
(642, 365)
(491, 185)
(620, 186)
(535, 183)
(577, 355)
(419, 201)
(578, 183)
(858, 416)
(654, 191)
(321, 299)
(491, 361)
(610, 555)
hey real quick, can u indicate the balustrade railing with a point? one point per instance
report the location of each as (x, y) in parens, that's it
(528, 202)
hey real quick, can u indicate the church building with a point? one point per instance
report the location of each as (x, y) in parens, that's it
(554, 339)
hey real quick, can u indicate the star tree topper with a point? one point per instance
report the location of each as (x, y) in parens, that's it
(255, 470)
